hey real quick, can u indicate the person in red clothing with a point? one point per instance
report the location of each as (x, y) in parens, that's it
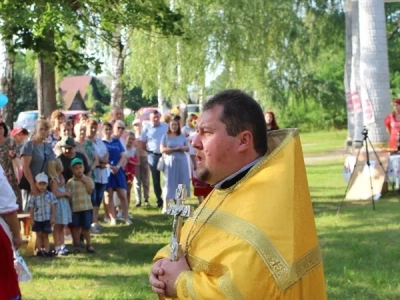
(392, 123)
(10, 239)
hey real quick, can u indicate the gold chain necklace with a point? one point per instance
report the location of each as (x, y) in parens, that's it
(189, 241)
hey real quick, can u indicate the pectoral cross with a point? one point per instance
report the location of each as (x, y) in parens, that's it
(179, 210)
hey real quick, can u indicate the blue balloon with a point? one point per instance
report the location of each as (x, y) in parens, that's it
(3, 100)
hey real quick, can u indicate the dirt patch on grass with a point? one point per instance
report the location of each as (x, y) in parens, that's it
(331, 155)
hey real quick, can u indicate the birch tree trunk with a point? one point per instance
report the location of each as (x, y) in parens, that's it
(160, 97)
(180, 90)
(118, 55)
(7, 80)
(374, 68)
(355, 74)
(202, 90)
(347, 72)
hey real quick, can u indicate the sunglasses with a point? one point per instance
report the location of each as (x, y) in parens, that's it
(121, 128)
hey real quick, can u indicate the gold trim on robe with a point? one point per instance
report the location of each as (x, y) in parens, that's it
(284, 273)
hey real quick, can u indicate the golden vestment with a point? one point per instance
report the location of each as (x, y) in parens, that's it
(261, 242)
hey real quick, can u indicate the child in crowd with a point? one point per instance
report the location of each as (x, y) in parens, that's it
(133, 161)
(65, 131)
(80, 187)
(42, 211)
(83, 118)
(63, 210)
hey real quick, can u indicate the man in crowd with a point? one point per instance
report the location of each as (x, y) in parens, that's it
(68, 154)
(119, 131)
(254, 237)
(190, 125)
(116, 114)
(151, 139)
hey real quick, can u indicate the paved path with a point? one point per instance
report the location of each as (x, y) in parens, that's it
(329, 156)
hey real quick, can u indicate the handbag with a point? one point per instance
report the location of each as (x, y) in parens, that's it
(24, 183)
(161, 163)
(16, 162)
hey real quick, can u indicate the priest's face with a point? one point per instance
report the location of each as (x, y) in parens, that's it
(214, 147)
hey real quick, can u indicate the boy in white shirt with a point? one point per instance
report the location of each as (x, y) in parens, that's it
(43, 212)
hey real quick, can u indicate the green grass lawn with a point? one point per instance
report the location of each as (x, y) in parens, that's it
(323, 142)
(119, 269)
(359, 247)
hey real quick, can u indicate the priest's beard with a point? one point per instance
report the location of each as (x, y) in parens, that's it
(203, 175)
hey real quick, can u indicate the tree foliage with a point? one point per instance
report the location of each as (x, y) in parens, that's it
(269, 48)
(292, 63)
(57, 31)
(28, 23)
(288, 54)
(393, 32)
(25, 84)
(134, 99)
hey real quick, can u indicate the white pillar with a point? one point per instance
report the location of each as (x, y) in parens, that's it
(355, 72)
(374, 69)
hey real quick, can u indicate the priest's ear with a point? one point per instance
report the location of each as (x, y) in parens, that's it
(245, 141)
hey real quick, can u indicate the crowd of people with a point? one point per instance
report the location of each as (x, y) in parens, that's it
(63, 170)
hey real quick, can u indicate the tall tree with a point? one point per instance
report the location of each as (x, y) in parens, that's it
(117, 23)
(41, 26)
(51, 28)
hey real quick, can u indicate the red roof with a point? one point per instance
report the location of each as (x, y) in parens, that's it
(70, 85)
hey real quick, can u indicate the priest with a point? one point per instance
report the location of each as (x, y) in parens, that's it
(254, 236)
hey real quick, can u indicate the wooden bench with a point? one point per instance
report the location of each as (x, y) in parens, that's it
(25, 223)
